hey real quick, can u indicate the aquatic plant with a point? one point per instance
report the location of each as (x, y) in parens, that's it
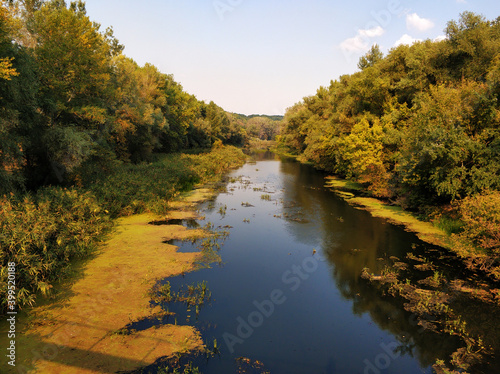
(222, 211)
(191, 295)
(434, 312)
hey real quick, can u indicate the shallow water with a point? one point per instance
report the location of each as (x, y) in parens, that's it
(288, 292)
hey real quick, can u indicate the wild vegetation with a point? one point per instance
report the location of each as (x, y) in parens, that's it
(87, 135)
(44, 231)
(261, 130)
(69, 97)
(420, 128)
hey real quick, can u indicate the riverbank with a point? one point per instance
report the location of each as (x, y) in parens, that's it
(472, 240)
(46, 231)
(356, 195)
(80, 329)
(461, 273)
(433, 296)
(351, 191)
(83, 332)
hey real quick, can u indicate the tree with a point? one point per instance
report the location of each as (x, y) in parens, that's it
(446, 151)
(425, 117)
(373, 56)
(74, 61)
(15, 106)
(293, 136)
(6, 69)
(473, 42)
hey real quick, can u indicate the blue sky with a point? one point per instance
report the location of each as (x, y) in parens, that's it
(260, 57)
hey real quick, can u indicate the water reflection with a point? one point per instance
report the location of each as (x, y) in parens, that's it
(290, 295)
(352, 240)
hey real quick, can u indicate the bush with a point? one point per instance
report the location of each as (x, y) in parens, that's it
(43, 233)
(132, 189)
(145, 187)
(481, 217)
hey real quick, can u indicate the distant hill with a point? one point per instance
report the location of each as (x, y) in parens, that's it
(246, 118)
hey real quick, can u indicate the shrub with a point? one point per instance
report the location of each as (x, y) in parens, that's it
(481, 217)
(43, 233)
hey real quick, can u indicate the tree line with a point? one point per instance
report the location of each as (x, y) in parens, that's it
(419, 126)
(70, 97)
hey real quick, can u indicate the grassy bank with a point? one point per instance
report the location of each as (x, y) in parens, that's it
(469, 228)
(44, 232)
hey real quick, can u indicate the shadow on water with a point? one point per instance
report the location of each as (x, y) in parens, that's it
(288, 297)
(189, 223)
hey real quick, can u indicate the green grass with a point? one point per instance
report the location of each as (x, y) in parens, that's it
(449, 225)
(342, 184)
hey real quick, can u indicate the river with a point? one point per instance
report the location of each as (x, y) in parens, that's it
(288, 296)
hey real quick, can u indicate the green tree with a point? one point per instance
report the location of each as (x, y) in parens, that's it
(74, 64)
(474, 42)
(139, 109)
(18, 104)
(373, 56)
(446, 152)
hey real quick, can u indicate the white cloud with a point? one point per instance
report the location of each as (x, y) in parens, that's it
(439, 38)
(360, 42)
(414, 22)
(406, 39)
(356, 44)
(371, 33)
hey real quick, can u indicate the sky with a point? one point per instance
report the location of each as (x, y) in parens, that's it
(263, 56)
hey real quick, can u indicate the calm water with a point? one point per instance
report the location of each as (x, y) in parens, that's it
(289, 293)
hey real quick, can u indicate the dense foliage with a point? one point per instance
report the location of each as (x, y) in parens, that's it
(69, 95)
(420, 126)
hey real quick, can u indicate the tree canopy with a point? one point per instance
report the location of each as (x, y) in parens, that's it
(69, 97)
(420, 125)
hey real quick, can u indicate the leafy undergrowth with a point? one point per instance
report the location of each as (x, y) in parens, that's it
(45, 231)
(479, 242)
(148, 187)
